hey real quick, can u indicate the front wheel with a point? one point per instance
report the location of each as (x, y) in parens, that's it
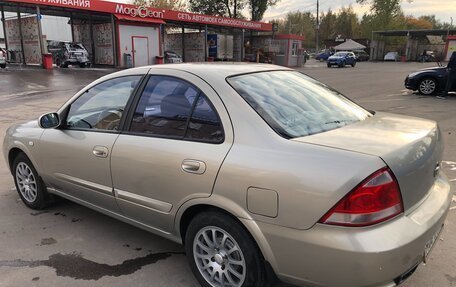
(28, 183)
(3, 66)
(427, 86)
(222, 253)
(329, 65)
(353, 64)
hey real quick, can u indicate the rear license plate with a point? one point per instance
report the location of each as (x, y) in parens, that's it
(430, 244)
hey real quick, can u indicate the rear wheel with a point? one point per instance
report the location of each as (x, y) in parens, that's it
(329, 65)
(222, 253)
(353, 64)
(82, 65)
(3, 66)
(427, 86)
(28, 183)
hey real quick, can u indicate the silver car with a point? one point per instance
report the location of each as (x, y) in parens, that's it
(259, 170)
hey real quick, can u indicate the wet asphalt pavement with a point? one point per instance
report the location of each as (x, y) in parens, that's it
(70, 245)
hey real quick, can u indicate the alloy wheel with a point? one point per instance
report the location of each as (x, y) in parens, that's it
(427, 86)
(26, 182)
(219, 258)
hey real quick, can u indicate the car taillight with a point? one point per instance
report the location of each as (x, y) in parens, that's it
(374, 200)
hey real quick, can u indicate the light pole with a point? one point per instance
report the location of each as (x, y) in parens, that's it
(317, 36)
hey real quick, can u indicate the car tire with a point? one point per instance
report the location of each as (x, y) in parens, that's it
(329, 65)
(29, 184)
(243, 267)
(3, 66)
(353, 64)
(64, 65)
(427, 86)
(82, 65)
(58, 62)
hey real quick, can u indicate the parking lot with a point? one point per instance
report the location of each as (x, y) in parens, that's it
(70, 245)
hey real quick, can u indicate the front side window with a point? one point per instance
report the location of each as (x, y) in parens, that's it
(101, 107)
(295, 105)
(171, 107)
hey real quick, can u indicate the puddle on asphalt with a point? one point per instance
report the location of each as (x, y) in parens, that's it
(77, 267)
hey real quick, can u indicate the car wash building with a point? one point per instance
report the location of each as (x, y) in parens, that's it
(124, 35)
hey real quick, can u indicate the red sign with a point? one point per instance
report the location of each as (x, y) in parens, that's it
(141, 12)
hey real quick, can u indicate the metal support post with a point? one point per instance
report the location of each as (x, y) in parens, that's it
(20, 33)
(4, 27)
(205, 43)
(114, 40)
(40, 33)
(183, 43)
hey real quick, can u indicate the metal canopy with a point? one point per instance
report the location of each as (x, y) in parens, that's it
(411, 33)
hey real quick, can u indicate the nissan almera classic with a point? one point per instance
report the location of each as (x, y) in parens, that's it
(256, 169)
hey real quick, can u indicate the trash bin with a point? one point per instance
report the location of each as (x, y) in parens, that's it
(158, 60)
(47, 61)
(128, 63)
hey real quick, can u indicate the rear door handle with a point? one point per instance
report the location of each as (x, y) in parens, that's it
(100, 151)
(193, 166)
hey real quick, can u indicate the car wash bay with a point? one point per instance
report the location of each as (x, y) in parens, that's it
(122, 35)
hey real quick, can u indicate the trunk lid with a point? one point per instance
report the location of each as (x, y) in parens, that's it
(411, 147)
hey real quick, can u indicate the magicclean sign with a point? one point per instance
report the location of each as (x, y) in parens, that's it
(140, 11)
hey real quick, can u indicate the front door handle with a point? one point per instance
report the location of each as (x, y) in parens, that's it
(100, 151)
(193, 166)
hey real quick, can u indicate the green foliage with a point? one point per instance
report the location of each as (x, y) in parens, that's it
(300, 23)
(259, 7)
(162, 4)
(224, 8)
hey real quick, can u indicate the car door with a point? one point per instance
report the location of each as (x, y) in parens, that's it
(176, 139)
(76, 157)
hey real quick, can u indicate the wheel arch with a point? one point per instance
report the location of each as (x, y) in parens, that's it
(194, 207)
(15, 150)
(432, 77)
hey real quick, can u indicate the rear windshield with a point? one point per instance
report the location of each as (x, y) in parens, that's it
(295, 105)
(75, 46)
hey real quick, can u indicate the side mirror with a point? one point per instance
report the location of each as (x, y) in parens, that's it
(49, 121)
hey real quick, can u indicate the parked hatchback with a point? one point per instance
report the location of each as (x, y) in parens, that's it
(257, 169)
(68, 53)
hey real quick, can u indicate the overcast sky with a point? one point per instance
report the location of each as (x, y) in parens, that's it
(443, 9)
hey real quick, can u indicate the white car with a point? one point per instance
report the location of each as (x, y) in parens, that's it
(3, 55)
(391, 56)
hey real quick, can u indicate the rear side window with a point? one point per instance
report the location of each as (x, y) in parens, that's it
(295, 105)
(173, 108)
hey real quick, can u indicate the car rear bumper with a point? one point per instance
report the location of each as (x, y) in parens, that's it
(372, 256)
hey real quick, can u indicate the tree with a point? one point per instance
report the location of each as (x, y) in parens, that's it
(347, 23)
(301, 23)
(162, 4)
(328, 25)
(413, 23)
(384, 13)
(259, 7)
(223, 8)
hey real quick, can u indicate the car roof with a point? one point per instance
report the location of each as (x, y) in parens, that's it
(203, 70)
